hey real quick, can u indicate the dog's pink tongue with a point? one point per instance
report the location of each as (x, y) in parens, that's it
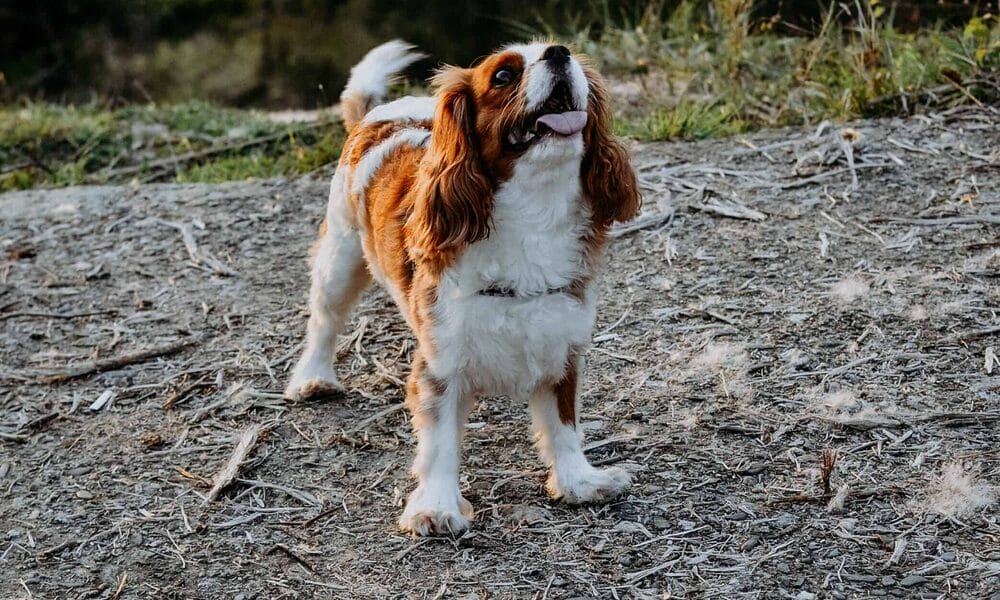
(566, 123)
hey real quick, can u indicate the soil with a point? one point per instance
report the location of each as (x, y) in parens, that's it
(798, 368)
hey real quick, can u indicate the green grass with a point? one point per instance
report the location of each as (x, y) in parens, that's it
(687, 120)
(48, 145)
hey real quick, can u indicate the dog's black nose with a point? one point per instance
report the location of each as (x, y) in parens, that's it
(557, 55)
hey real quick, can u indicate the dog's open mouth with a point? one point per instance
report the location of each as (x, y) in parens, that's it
(558, 117)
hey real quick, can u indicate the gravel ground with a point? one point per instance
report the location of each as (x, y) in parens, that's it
(795, 356)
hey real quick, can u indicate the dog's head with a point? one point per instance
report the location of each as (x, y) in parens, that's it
(536, 102)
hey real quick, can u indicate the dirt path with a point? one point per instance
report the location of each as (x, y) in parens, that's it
(731, 353)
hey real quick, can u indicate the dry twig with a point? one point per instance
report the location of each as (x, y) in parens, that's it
(244, 444)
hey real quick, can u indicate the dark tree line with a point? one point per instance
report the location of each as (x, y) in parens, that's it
(69, 48)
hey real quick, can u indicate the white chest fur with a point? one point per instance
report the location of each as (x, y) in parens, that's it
(510, 344)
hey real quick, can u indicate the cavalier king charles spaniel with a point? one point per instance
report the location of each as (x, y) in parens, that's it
(484, 212)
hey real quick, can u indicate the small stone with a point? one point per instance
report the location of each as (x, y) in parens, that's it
(948, 556)
(888, 581)
(77, 471)
(912, 580)
(529, 514)
(84, 494)
(848, 525)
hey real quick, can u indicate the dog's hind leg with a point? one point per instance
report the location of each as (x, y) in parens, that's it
(554, 412)
(339, 276)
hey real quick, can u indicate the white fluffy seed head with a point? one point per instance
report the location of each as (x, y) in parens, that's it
(849, 289)
(718, 356)
(958, 492)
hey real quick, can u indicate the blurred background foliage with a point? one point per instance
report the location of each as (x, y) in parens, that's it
(297, 53)
(96, 91)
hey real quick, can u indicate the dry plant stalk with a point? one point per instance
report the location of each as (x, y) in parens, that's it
(826, 469)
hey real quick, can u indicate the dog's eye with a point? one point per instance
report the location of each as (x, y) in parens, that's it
(503, 77)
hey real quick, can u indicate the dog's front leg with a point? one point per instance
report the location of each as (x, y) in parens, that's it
(439, 410)
(554, 412)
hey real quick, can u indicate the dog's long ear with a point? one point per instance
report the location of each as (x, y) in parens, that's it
(454, 199)
(609, 183)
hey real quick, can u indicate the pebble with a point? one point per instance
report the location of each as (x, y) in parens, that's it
(77, 471)
(912, 580)
(529, 514)
(84, 494)
(888, 581)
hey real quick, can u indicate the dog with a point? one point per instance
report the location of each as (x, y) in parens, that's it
(483, 211)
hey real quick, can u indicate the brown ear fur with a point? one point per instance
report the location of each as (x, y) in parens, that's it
(609, 183)
(454, 200)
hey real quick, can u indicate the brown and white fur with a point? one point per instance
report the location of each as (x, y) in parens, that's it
(483, 210)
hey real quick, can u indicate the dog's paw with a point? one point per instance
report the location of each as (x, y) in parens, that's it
(313, 383)
(590, 485)
(429, 513)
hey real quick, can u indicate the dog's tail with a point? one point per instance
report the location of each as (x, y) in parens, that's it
(369, 79)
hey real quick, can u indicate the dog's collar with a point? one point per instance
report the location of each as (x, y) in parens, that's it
(499, 291)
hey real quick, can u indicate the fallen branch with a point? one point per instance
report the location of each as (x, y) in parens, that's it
(728, 208)
(363, 424)
(292, 555)
(821, 176)
(170, 164)
(644, 222)
(944, 419)
(109, 364)
(826, 497)
(966, 220)
(12, 437)
(52, 315)
(964, 336)
(244, 444)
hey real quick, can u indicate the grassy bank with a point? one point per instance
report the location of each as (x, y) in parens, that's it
(706, 69)
(53, 145)
(701, 73)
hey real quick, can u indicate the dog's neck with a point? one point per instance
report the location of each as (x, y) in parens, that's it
(539, 219)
